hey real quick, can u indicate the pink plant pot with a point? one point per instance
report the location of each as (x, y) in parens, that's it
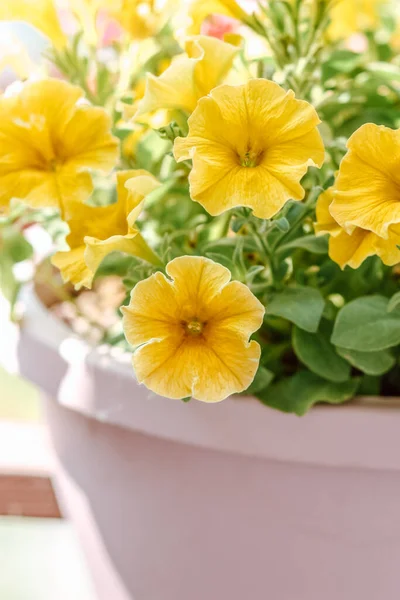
(231, 501)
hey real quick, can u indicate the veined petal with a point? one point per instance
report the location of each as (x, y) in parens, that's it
(87, 141)
(226, 311)
(178, 368)
(45, 189)
(250, 146)
(48, 143)
(153, 312)
(197, 281)
(195, 329)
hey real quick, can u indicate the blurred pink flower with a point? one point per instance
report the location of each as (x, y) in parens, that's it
(109, 29)
(218, 25)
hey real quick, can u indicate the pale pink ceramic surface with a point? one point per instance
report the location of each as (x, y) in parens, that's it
(232, 501)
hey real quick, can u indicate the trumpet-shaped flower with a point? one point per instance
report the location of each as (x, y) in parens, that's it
(250, 145)
(352, 249)
(41, 14)
(193, 330)
(199, 10)
(96, 231)
(48, 143)
(367, 190)
(191, 76)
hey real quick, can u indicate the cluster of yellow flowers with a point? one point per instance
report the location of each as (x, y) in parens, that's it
(250, 145)
(361, 212)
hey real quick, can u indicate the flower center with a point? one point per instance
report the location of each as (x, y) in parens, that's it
(54, 164)
(251, 159)
(194, 327)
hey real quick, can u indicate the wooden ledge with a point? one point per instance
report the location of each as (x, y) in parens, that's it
(26, 466)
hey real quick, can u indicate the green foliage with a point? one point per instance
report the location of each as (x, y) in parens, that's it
(366, 325)
(262, 380)
(297, 394)
(328, 333)
(317, 353)
(301, 305)
(370, 363)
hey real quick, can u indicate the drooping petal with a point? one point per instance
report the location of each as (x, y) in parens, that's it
(136, 186)
(325, 222)
(73, 267)
(189, 77)
(132, 243)
(352, 250)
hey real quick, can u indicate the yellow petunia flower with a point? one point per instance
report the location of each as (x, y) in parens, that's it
(353, 16)
(48, 142)
(141, 18)
(352, 249)
(250, 145)
(42, 14)
(193, 330)
(96, 231)
(367, 190)
(191, 76)
(199, 10)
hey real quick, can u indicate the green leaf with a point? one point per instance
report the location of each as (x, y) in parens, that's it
(384, 70)
(9, 286)
(261, 381)
(303, 306)
(319, 355)
(311, 243)
(366, 325)
(15, 245)
(282, 224)
(222, 259)
(394, 302)
(371, 363)
(299, 393)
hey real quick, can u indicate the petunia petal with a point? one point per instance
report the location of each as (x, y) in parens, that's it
(73, 267)
(367, 190)
(132, 243)
(152, 311)
(177, 367)
(250, 146)
(189, 77)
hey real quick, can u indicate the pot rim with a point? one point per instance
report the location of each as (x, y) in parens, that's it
(100, 384)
